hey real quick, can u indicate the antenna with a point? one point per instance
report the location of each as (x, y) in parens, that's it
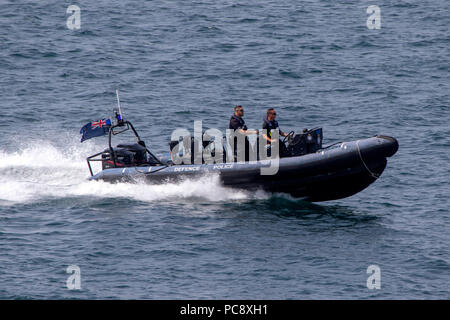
(118, 105)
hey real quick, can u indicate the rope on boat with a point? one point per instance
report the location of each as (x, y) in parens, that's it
(331, 145)
(376, 176)
(150, 172)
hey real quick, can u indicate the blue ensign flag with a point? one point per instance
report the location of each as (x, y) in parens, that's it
(95, 129)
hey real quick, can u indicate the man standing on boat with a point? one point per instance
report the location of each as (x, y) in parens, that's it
(271, 124)
(237, 123)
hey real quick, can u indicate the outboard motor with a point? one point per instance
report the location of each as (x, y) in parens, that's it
(308, 142)
(126, 155)
(139, 152)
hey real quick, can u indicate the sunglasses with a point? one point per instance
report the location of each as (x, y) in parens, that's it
(273, 113)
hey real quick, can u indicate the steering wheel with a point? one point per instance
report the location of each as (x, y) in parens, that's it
(288, 137)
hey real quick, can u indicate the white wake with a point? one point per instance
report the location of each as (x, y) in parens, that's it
(45, 170)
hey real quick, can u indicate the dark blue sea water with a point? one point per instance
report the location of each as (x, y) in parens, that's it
(174, 62)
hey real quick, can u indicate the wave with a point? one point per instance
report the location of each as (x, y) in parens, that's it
(44, 171)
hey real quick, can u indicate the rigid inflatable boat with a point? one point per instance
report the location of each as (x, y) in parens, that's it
(308, 170)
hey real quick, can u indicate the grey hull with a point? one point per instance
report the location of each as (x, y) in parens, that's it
(329, 174)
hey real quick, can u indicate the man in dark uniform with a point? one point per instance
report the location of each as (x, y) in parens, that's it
(271, 124)
(238, 124)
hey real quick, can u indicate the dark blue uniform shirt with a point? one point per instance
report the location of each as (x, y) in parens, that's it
(237, 123)
(270, 125)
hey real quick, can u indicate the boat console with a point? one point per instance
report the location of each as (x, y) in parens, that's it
(310, 141)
